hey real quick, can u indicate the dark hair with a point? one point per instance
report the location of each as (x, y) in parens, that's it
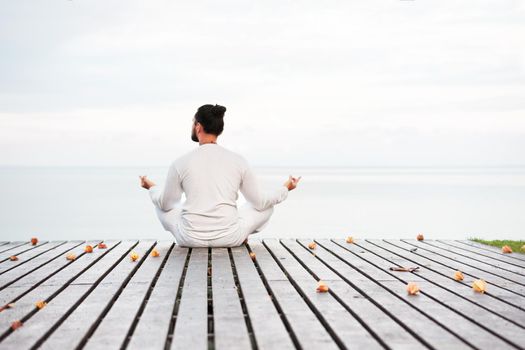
(211, 118)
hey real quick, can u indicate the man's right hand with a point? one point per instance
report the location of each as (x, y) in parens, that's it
(146, 183)
(292, 182)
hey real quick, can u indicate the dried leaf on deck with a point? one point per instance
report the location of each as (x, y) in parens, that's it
(350, 239)
(404, 269)
(34, 240)
(458, 276)
(479, 286)
(102, 245)
(134, 256)
(13, 258)
(252, 255)
(71, 256)
(420, 237)
(88, 249)
(412, 288)
(7, 306)
(40, 304)
(312, 245)
(506, 249)
(322, 287)
(16, 324)
(155, 253)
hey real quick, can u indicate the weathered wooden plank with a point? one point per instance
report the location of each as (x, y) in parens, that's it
(509, 258)
(30, 255)
(18, 251)
(49, 289)
(499, 287)
(306, 326)
(12, 245)
(348, 330)
(80, 322)
(380, 262)
(486, 337)
(102, 299)
(50, 273)
(380, 322)
(112, 331)
(463, 288)
(485, 247)
(394, 301)
(491, 262)
(153, 326)
(191, 328)
(451, 255)
(230, 328)
(7, 277)
(269, 330)
(12, 291)
(4, 243)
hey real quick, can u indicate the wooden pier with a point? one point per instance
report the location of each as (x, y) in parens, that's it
(229, 299)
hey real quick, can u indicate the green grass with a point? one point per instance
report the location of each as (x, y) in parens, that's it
(515, 245)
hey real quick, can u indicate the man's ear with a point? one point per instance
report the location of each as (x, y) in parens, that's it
(198, 127)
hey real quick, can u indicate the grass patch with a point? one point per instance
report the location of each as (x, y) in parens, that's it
(515, 245)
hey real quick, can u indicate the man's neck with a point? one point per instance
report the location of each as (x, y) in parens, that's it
(203, 142)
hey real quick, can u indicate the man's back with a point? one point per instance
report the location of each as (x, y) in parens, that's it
(210, 177)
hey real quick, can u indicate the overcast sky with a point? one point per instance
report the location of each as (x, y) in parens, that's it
(338, 83)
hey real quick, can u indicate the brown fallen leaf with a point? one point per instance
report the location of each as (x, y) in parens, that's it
(71, 256)
(350, 239)
(252, 255)
(312, 245)
(88, 249)
(322, 287)
(506, 249)
(7, 306)
(155, 253)
(404, 269)
(16, 324)
(412, 288)
(420, 237)
(134, 256)
(458, 276)
(34, 240)
(102, 245)
(13, 258)
(479, 286)
(40, 304)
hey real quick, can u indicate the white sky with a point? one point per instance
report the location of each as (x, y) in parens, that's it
(338, 83)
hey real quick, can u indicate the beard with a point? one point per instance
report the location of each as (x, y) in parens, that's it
(194, 135)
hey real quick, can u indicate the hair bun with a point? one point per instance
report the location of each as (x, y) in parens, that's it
(218, 111)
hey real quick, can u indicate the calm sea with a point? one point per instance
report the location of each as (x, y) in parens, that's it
(104, 202)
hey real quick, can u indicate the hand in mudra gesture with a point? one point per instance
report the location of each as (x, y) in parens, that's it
(292, 182)
(146, 183)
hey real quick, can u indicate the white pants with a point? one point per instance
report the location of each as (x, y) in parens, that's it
(251, 221)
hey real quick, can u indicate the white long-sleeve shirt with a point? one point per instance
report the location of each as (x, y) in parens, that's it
(211, 176)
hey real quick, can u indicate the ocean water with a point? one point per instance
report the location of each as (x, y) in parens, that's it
(57, 203)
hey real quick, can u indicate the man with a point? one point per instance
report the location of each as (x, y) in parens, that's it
(211, 176)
